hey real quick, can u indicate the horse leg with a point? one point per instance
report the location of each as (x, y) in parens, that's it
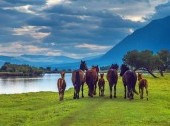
(82, 90)
(147, 93)
(74, 97)
(125, 91)
(88, 89)
(103, 89)
(141, 97)
(99, 90)
(115, 91)
(95, 86)
(110, 90)
(78, 91)
(60, 97)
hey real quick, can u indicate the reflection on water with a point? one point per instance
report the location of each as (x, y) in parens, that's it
(22, 85)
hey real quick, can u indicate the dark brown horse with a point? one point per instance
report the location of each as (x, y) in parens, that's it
(112, 77)
(129, 79)
(91, 80)
(143, 83)
(78, 79)
(61, 85)
(101, 84)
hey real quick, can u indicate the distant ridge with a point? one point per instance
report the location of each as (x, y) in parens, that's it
(154, 36)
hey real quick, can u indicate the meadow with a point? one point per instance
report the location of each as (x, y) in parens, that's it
(44, 108)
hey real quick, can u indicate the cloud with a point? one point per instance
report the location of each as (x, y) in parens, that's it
(18, 48)
(93, 47)
(22, 9)
(32, 31)
(51, 3)
(75, 28)
(161, 11)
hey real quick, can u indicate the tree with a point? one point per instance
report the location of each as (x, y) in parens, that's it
(142, 60)
(164, 56)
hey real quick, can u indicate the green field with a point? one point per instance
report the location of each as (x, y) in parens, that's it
(44, 108)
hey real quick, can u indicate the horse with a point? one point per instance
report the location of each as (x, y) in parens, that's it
(101, 84)
(143, 83)
(61, 84)
(78, 79)
(91, 80)
(129, 79)
(112, 77)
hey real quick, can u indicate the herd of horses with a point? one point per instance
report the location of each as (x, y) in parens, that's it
(90, 77)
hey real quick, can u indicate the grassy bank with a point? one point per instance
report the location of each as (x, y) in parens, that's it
(43, 108)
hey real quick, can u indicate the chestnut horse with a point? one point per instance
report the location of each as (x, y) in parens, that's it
(129, 79)
(91, 80)
(61, 85)
(112, 77)
(78, 79)
(101, 84)
(143, 83)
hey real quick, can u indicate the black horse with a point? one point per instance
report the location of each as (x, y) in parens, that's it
(112, 77)
(78, 79)
(129, 79)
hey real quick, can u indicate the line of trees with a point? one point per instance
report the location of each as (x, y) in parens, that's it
(20, 70)
(147, 60)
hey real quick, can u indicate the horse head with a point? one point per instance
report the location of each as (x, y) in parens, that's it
(139, 76)
(96, 68)
(114, 66)
(83, 65)
(102, 75)
(123, 69)
(62, 74)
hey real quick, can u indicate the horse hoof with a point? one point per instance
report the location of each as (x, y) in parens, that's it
(110, 96)
(82, 96)
(74, 97)
(115, 97)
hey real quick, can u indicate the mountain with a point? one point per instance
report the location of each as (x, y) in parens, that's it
(37, 60)
(154, 36)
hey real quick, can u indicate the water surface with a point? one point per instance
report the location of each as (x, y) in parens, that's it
(23, 85)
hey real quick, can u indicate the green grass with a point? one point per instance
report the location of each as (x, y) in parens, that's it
(44, 108)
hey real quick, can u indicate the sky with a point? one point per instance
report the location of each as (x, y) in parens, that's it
(73, 28)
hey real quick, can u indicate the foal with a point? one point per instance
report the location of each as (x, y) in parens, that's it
(143, 83)
(101, 84)
(61, 84)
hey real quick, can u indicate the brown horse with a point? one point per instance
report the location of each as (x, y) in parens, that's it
(129, 79)
(101, 84)
(112, 77)
(78, 79)
(143, 83)
(91, 80)
(61, 84)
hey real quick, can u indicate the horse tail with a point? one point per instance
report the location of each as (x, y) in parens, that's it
(113, 77)
(77, 78)
(133, 83)
(134, 90)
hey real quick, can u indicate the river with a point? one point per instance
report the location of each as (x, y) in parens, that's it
(16, 85)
